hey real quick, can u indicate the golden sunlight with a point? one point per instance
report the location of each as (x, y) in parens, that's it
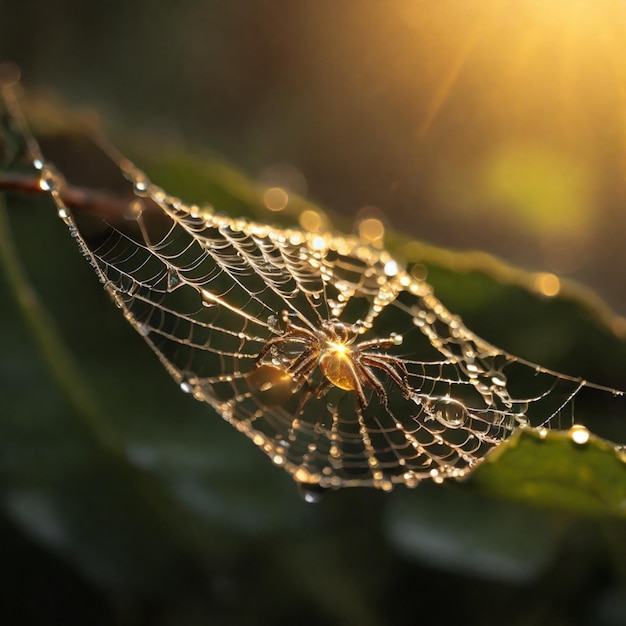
(522, 111)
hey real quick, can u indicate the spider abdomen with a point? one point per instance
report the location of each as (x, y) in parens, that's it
(337, 366)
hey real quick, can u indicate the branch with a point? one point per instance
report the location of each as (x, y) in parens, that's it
(105, 205)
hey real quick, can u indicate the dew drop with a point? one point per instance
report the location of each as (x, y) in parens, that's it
(396, 339)
(133, 210)
(391, 268)
(140, 185)
(579, 434)
(259, 439)
(411, 479)
(372, 461)
(498, 379)
(449, 412)
(620, 452)
(419, 322)
(48, 179)
(158, 195)
(472, 369)
(359, 327)
(435, 474)
(311, 493)
(386, 485)
(334, 306)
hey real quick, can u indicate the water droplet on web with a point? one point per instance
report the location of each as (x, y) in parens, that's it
(497, 378)
(391, 268)
(385, 485)
(411, 479)
(133, 210)
(620, 452)
(419, 322)
(360, 327)
(187, 384)
(437, 477)
(140, 184)
(472, 369)
(158, 195)
(311, 493)
(579, 434)
(48, 179)
(449, 412)
(396, 339)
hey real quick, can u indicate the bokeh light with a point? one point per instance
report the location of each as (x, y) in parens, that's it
(276, 198)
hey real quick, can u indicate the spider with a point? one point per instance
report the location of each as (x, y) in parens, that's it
(343, 363)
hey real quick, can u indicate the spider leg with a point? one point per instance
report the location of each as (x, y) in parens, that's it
(305, 362)
(306, 395)
(320, 389)
(292, 333)
(384, 363)
(266, 348)
(365, 373)
(375, 343)
(358, 388)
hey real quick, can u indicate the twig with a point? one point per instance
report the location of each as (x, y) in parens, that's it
(105, 205)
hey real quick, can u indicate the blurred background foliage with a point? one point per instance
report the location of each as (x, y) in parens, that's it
(496, 126)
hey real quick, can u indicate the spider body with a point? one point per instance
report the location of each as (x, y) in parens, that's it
(337, 364)
(343, 363)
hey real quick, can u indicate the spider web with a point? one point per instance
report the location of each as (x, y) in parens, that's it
(208, 293)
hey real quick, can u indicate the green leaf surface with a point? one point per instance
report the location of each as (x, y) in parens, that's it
(551, 470)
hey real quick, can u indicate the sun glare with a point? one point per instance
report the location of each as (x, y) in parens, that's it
(523, 115)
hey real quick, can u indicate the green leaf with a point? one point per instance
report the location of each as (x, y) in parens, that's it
(551, 470)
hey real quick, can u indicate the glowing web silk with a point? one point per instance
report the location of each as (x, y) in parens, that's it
(341, 366)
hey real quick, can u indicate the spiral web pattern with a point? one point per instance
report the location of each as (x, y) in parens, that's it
(217, 300)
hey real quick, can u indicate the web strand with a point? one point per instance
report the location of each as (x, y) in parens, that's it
(337, 363)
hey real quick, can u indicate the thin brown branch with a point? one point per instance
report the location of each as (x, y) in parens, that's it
(105, 205)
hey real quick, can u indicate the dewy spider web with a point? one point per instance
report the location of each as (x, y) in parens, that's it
(342, 367)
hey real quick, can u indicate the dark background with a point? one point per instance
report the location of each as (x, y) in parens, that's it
(496, 126)
(485, 125)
